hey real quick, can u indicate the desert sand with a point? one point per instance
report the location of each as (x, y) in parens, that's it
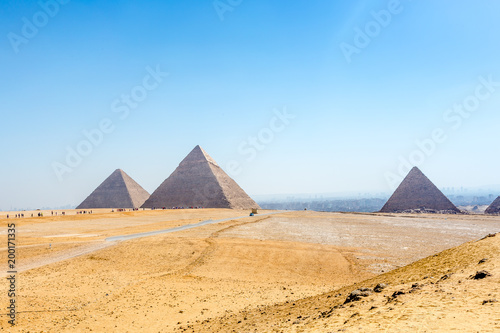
(285, 272)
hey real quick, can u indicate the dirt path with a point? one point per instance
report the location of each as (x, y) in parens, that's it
(181, 228)
(93, 246)
(60, 256)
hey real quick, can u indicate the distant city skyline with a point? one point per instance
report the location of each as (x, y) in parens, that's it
(287, 97)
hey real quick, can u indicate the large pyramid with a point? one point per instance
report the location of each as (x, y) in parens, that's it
(117, 191)
(199, 181)
(494, 208)
(417, 193)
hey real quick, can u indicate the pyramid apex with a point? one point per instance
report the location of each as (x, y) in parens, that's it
(415, 172)
(120, 173)
(198, 154)
(415, 169)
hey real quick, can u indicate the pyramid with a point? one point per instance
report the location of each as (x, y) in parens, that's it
(417, 192)
(117, 191)
(199, 181)
(494, 208)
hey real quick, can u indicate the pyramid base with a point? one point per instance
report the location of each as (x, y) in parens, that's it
(424, 211)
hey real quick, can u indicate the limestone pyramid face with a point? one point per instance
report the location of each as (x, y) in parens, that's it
(417, 192)
(199, 181)
(117, 191)
(494, 208)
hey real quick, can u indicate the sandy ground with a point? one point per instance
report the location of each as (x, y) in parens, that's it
(384, 241)
(435, 294)
(73, 280)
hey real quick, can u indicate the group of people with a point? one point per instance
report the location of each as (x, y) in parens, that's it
(124, 210)
(192, 207)
(40, 214)
(18, 216)
(84, 212)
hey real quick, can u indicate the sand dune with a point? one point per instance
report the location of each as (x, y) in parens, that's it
(441, 293)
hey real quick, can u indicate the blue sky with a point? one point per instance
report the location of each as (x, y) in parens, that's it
(232, 66)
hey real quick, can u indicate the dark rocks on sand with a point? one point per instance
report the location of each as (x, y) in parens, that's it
(379, 287)
(358, 294)
(480, 275)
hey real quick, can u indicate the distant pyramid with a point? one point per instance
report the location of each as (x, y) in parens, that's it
(117, 191)
(417, 192)
(199, 181)
(494, 208)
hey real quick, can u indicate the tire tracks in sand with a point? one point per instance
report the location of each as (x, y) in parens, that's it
(196, 262)
(48, 259)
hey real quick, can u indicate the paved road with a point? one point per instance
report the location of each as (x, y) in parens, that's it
(184, 227)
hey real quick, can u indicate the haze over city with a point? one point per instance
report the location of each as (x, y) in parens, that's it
(310, 97)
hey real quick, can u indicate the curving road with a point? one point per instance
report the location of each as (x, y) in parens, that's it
(110, 241)
(184, 227)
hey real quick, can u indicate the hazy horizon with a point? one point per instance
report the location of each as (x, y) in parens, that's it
(312, 97)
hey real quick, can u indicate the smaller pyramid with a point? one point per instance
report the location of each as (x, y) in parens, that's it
(117, 191)
(199, 181)
(494, 208)
(417, 193)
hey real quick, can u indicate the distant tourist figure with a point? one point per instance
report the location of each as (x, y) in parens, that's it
(7, 215)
